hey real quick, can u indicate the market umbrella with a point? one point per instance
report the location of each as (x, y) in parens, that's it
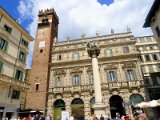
(153, 103)
(142, 105)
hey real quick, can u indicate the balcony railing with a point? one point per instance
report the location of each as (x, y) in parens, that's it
(105, 86)
(13, 81)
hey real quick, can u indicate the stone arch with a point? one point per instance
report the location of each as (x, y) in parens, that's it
(59, 105)
(77, 108)
(116, 106)
(136, 98)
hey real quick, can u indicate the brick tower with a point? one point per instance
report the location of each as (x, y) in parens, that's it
(38, 76)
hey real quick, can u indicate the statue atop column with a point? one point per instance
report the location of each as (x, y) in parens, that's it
(93, 49)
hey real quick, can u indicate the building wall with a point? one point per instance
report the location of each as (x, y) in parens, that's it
(9, 57)
(148, 46)
(155, 22)
(65, 67)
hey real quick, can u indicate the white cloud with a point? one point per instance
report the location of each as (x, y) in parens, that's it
(88, 16)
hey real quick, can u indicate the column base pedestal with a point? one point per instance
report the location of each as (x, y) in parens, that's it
(99, 108)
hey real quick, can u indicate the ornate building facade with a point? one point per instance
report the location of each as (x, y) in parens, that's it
(150, 65)
(71, 77)
(14, 42)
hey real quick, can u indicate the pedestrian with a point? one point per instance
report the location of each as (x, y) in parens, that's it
(101, 118)
(118, 116)
(71, 118)
(127, 117)
(122, 117)
(42, 117)
(109, 117)
(48, 117)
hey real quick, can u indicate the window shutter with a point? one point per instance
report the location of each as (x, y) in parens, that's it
(134, 74)
(21, 76)
(108, 75)
(5, 46)
(115, 73)
(9, 29)
(24, 58)
(73, 80)
(1, 65)
(126, 74)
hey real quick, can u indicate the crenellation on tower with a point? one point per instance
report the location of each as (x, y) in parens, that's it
(48, 12)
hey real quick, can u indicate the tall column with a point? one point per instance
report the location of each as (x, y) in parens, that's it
(93, 52)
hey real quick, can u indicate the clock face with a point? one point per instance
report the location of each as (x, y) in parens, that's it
(42, 32)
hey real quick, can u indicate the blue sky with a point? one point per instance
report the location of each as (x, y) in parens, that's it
(11, 7)
(83, 16)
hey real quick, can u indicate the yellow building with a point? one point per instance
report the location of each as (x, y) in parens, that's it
(14, 41)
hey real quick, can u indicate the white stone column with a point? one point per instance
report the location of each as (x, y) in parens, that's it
(93, 52)
(97, 84)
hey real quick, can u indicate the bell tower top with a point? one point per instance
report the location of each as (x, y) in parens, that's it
(48, 12)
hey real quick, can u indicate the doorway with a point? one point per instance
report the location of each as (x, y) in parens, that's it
(116, 105)
(59, 106)
(77, 106)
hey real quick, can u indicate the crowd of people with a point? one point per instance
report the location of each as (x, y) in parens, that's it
(31, 117)
(108, 117)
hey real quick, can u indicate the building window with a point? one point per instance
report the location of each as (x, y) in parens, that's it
(75, 56)
(126, 49)
(147, 57)
(155, 57)
(59, 57)
(58, 82)
(108, 53)
(24, 42)
(112, 76)
(22, 56)
(37, 86)
(1, 66)
(15, 94)
(7, 28)
(76, 80)
(158, 31)
(131, 75)
(3, 44)
(91, 78)
(140, 58)
(19, 75)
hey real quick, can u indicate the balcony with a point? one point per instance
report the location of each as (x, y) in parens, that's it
(11, 81)
(21, 64)
(105, 86)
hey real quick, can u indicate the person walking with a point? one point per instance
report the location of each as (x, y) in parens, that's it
(101, 118)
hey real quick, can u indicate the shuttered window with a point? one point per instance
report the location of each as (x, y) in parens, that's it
(3, 44)
(1, 66)
(108, 53)
(76, 80)
(22, 56)
(130, 74)
(19, 75)
(112, 76)
(7, 28)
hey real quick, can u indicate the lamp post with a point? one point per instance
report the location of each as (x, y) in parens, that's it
(93, 52)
